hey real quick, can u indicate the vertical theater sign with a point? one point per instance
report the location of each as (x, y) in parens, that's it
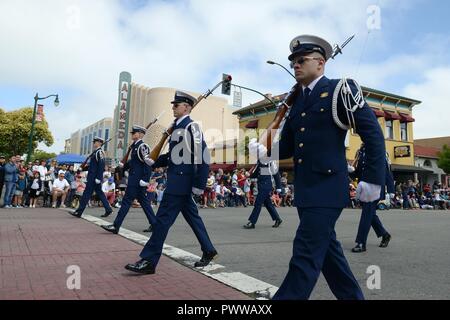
(122, 114)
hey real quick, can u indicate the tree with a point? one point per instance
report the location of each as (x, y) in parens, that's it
(444, 159)
(42, 155)
(15, 127)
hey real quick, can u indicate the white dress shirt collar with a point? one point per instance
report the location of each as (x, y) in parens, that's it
(181, 119)
(312, 84)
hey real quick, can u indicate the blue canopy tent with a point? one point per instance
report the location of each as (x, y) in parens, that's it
(69, 158)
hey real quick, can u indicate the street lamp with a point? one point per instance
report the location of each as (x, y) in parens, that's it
(36, 99)
(272, 62)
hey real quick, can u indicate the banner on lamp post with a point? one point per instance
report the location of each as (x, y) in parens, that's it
(40, 113)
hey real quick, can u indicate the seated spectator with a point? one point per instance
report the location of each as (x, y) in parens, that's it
(109, 188)
(276, 199)
(60, 188)
(107, 173)
(209, 193)
(80, 187)
(151, 191)
(396, 201)
(438, 202)
(238, 195)
(35, 188)
(352, 191)
(160, 193)
(413, 201)
(288, 198)
(221, 193)
(445, 198)
(423, 203)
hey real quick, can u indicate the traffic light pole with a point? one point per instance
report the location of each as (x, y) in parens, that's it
(255, 91)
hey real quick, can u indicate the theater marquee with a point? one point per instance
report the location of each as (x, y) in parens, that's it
(123, 112)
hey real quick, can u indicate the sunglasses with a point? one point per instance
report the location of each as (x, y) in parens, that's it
(302, 59)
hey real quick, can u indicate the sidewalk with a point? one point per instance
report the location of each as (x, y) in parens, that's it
(38, 245)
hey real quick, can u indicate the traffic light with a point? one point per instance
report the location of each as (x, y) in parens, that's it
(226, 84)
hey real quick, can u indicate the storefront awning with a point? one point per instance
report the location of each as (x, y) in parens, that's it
(379, 113)
(406, 118)
(226, 167)
(388, 115)
(403, 168)
(252, 124)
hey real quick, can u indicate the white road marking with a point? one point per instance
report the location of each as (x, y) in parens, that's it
(253, 287)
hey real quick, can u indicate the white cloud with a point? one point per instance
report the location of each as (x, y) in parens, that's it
(433, 115)
(185, 44)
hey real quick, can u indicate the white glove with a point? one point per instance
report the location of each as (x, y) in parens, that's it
(253, 146)
(120, 164)
(350, 169)
(367, 192)
(142, 183)
(197, 191)
(97, 181)
(257, 148)
(278, 190)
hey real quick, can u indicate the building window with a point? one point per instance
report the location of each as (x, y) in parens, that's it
(389, 129)
(106, 138)
(427, 163)
(85, 145)
(404, 131)
(89, 143)
(99, 133)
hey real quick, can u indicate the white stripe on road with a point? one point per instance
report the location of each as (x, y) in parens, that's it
(251, 286)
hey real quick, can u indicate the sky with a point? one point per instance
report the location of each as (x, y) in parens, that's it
(78, 48)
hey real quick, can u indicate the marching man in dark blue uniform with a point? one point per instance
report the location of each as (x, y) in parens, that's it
(94, 180)
(187, 165)
(265, 173)
(313, 135)
(139, 172)
(369, 216)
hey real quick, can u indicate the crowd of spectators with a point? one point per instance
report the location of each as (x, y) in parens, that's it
(410, 195)
(49, 184)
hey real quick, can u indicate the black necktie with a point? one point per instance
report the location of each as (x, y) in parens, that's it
(306, 93)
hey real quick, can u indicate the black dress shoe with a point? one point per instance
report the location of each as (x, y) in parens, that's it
(142, 266)
(106, 214)
(149, 229)
(207, 257)
(249, 226)
(359, 248)
(76, 214)
(111, 228)
(385, 240)
(277, 223)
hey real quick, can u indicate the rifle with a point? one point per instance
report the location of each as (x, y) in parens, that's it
(154, 154)
(127, 155)
(283, 108)
(84, 164)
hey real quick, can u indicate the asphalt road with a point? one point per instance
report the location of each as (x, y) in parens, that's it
(416, 265)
